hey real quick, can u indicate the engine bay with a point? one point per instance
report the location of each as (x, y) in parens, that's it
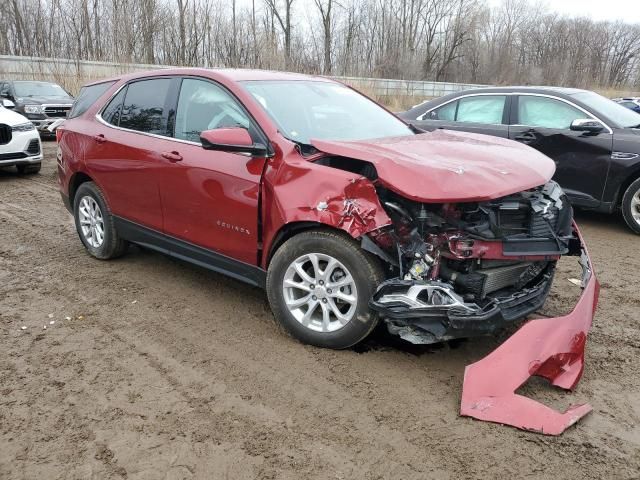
(459, 270)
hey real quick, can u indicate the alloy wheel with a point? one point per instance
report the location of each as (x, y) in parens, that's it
(320, 292)
(635, 207)
(91, 221)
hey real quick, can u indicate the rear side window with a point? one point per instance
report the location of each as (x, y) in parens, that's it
(446, 112)
(88, 96)
(487, 109)
(145, 106)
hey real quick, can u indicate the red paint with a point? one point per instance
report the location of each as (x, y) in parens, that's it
(488, 250)
(446, 166)
(552, 348)
(228, 136)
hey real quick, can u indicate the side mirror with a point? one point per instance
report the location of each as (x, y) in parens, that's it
(235, 140)
(6, 103)
(587, 125)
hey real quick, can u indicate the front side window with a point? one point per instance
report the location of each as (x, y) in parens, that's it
(547, 113)
(202, 105)
(308, 109)
(88, 95)
(145, 107)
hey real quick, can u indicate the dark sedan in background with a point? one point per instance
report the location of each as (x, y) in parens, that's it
(594, 141)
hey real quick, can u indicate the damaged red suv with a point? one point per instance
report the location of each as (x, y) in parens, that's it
(301, 185)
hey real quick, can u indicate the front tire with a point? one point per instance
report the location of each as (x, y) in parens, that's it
(319, 284)
(631, 206)
(94, 223)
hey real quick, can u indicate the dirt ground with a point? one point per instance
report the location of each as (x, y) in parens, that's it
(156, 369)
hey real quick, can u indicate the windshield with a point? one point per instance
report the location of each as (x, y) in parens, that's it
(38, 89)
(305, 110)
(621, 116)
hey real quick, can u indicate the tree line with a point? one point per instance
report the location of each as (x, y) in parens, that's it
(518, 41)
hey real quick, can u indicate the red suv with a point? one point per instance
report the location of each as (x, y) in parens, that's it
(303, 186)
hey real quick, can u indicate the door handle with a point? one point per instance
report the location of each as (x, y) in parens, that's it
(99, 138)
(172, 156)
(525, 137)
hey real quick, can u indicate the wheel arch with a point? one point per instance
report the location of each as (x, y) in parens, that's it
(76, 180)
(290, 230)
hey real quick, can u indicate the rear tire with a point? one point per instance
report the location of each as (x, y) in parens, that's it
(319, 284)
(94, 223)
(29, 168)
(631, 206)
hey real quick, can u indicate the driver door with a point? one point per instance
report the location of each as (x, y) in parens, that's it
(210, 198)
(582, 158)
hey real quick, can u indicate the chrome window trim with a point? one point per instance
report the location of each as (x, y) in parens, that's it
(98, 115)
(521, 94)
(152, 135)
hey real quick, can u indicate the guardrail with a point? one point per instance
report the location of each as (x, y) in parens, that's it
(73, 73)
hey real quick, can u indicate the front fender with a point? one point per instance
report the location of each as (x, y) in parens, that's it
(303, 191)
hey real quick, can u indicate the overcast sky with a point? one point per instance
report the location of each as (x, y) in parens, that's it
(628, 10)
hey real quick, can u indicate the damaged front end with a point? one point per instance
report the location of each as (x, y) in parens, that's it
(469, 269)
(552, 348)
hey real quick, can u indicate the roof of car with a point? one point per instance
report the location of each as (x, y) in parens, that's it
(528, 88)
(233, 74)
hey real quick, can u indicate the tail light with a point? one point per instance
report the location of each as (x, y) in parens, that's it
(59, 132)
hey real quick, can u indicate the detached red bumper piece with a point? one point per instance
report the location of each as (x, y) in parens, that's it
(552, 348)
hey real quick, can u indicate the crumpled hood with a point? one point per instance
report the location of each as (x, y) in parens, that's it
(448, 166)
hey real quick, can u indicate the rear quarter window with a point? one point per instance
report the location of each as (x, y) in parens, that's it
(88, 96)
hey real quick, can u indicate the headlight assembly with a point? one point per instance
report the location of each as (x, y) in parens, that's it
(33, 109)
(23, 127)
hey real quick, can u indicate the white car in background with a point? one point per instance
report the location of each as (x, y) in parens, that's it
(20, 144)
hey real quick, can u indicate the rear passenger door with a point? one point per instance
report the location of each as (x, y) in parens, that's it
(126, 153)
(486, 114)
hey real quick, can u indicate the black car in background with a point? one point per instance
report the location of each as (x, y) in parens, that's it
(594, 141)
(41, 102)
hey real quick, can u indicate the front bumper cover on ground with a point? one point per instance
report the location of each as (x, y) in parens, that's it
(552, 348)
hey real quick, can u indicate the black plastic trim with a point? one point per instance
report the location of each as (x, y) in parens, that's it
(188, 252)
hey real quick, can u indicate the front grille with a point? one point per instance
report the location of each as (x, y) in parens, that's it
(34, 147)
(5, 134)
(56, 111)
(12, 156)
(513, 222)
